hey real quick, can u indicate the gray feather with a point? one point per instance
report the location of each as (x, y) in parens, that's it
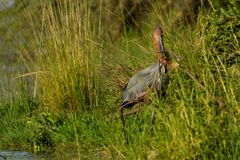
(152, 76)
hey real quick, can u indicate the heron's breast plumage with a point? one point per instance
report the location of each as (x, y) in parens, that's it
(141, 82)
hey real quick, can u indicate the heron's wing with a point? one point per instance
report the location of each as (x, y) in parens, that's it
(140, 83)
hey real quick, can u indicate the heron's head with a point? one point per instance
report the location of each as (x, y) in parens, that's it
(158, 40)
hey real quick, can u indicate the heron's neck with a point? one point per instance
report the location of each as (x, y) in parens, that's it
(163, 59)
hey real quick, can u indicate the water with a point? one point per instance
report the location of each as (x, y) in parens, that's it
(5, 4)
(60, 154)
(20, 155)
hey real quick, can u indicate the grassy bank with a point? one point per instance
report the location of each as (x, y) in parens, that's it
(78, 75)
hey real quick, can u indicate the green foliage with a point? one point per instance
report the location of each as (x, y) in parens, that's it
(223, 31)
(69, 59)
(79, 78)
(16, 110)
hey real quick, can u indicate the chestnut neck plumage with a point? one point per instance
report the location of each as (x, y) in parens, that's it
(159, 46)
(163, 59)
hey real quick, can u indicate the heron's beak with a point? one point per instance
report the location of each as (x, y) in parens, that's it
(177, 59)
(174, 65)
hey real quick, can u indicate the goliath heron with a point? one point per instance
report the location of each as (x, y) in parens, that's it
(153, 77)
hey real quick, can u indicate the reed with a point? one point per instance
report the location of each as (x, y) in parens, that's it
(67, 53)
(79, 74)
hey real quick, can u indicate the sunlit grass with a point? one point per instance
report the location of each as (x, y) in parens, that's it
(79, 75)
(66, 50)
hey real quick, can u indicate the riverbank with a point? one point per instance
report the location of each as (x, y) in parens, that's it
(77, 74)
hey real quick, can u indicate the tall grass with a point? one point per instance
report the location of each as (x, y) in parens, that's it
(68, 57)
(79, 75)
(16, 109)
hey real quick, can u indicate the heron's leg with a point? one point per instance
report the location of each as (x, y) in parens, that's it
(153, 118)
(154, 112)
(123, 124)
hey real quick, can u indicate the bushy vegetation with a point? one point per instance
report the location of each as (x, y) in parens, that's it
(79, 73)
